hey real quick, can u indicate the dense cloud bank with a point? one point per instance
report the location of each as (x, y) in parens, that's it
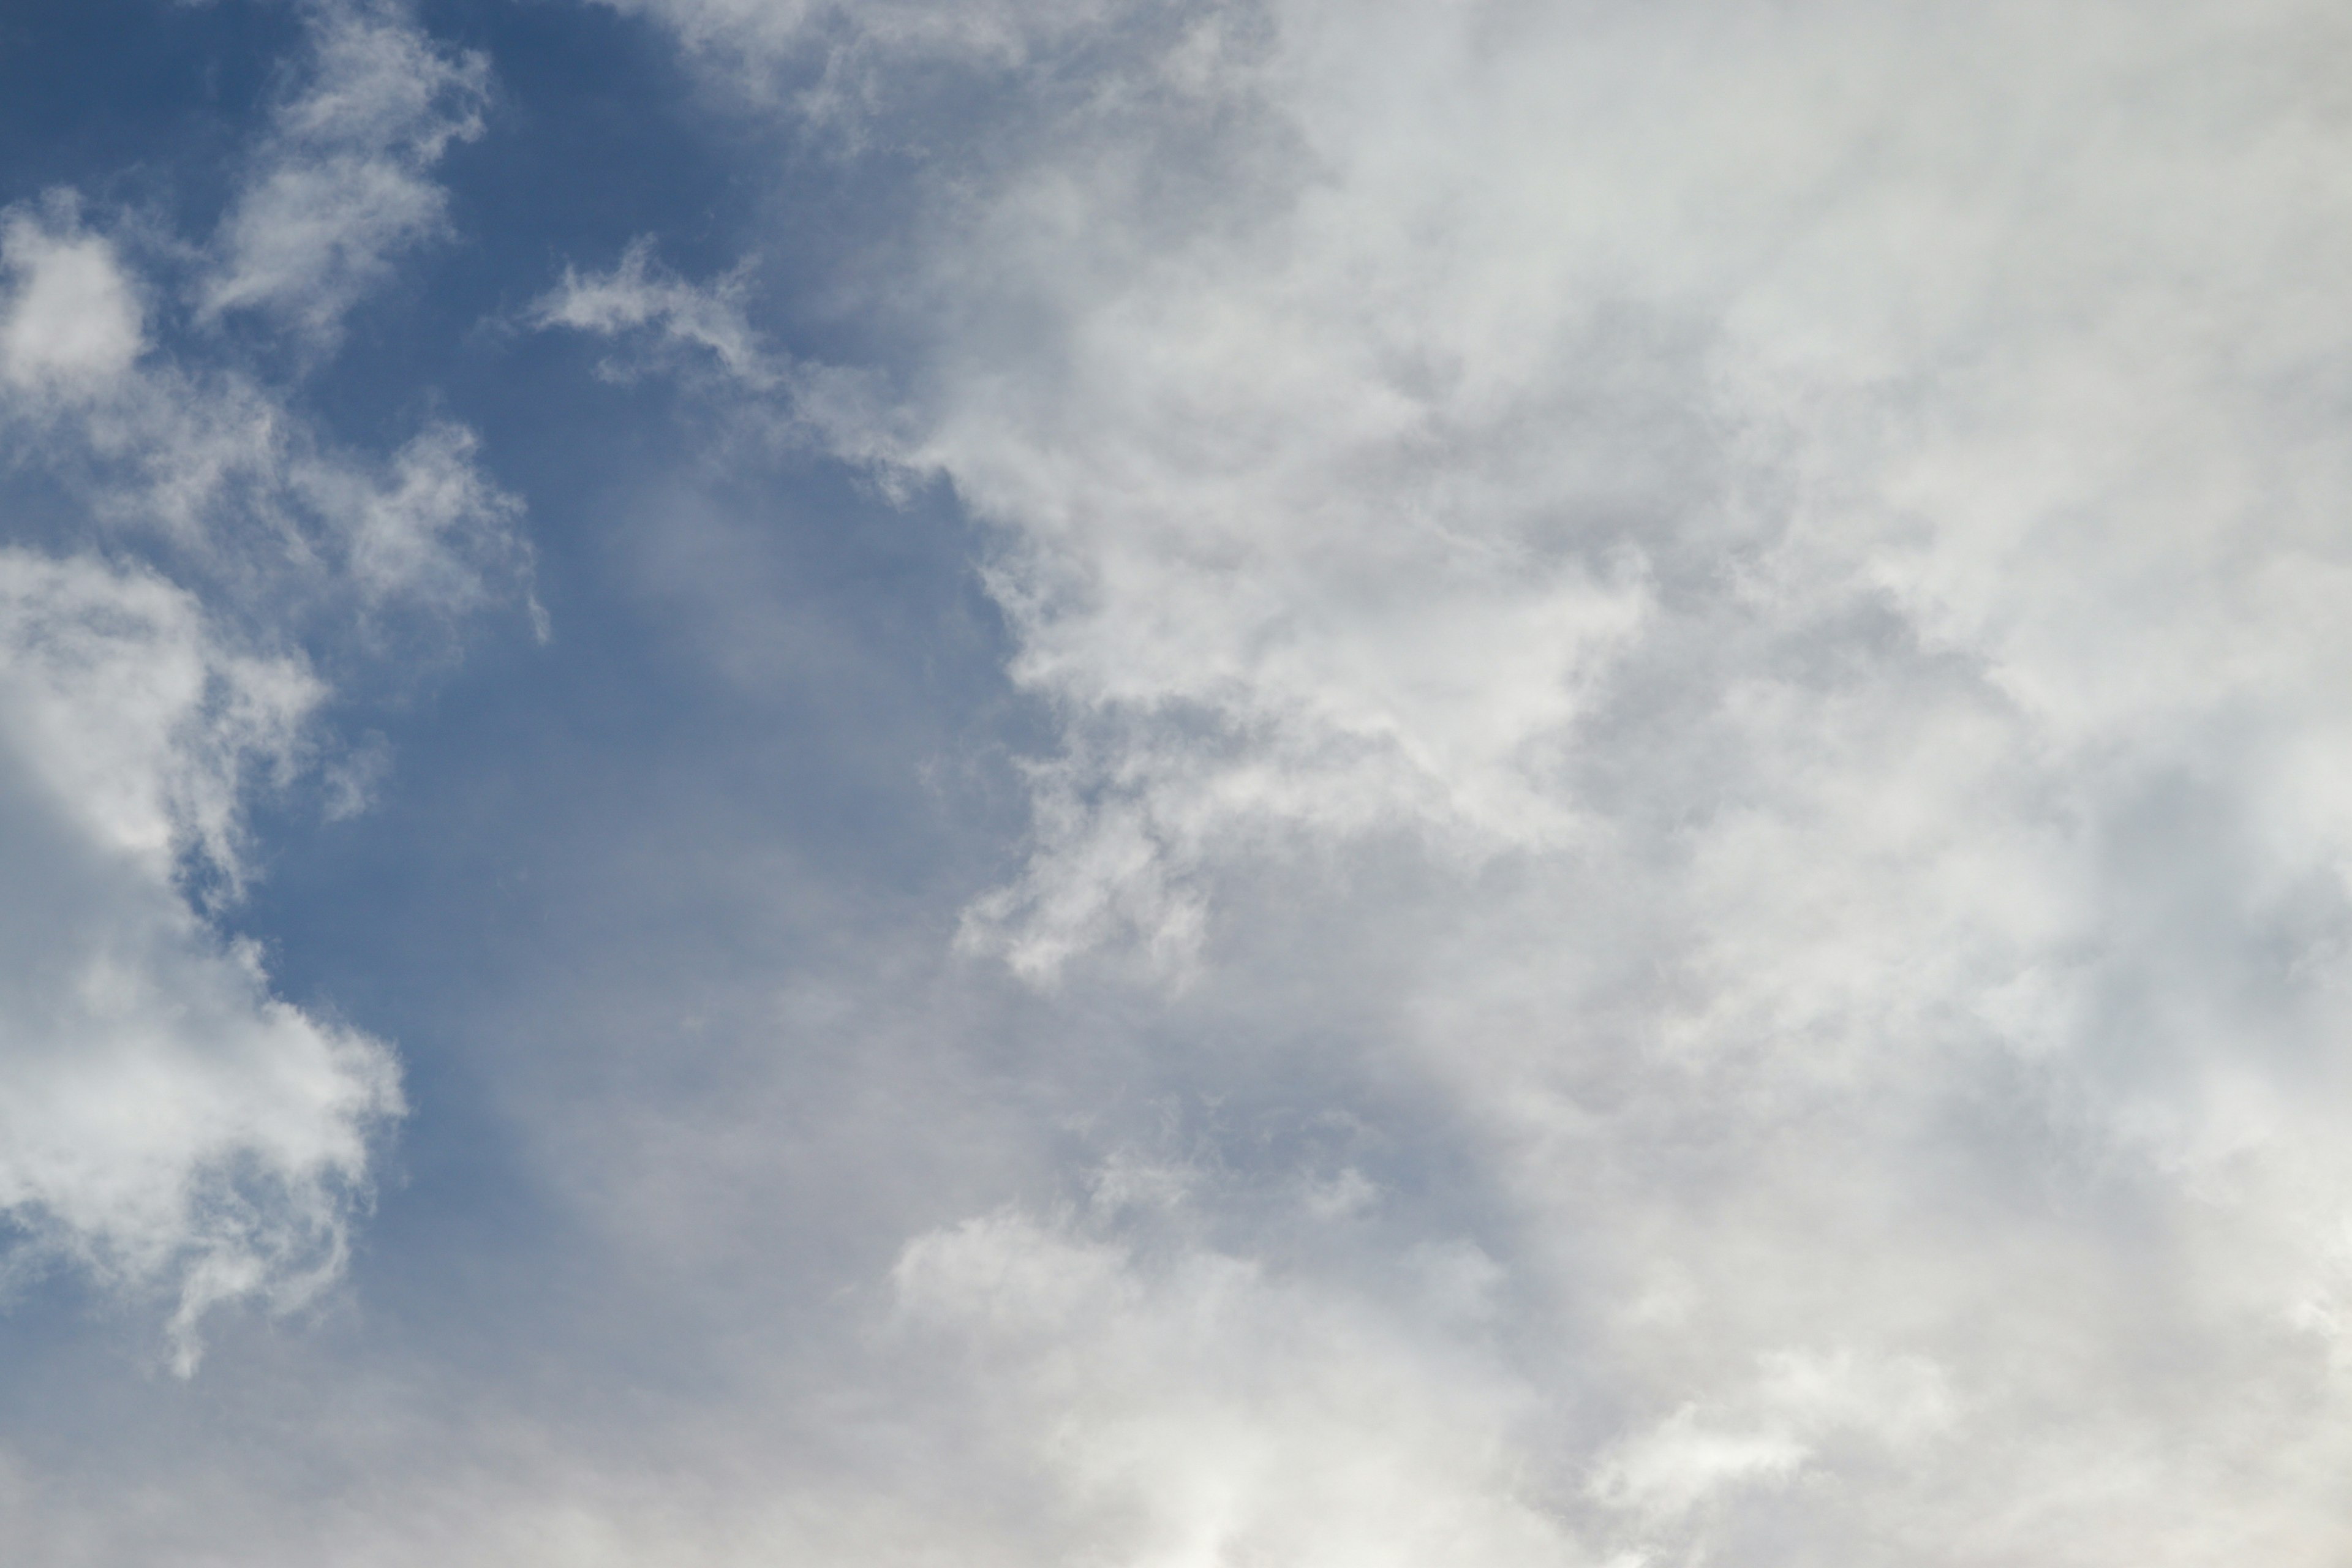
(1674, 684)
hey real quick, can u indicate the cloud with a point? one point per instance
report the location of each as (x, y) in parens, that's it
(1754, 592)
(226, 478)
(163, 1119)
(167, 1123)
(1676, 1466)
(340, 187)
(74, 316)
(852, 60)
(1190, 1407)
(426, 529)
(1688, 903)
(642, 295)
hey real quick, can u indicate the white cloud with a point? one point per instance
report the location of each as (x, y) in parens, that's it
(73, 316)
(163, 1118)
(1193, 1410)
(426, 529)
(851, 56)
(340, 186)
(166, 1122)
(1799, 1398)
(1812, 537)
(224, 475)
(641, 295)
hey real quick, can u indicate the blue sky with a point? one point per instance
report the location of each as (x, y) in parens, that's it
(1173, 783)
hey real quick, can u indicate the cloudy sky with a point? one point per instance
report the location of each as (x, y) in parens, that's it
(1175, 784)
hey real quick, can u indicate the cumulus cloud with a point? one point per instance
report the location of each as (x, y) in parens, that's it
(1764, 581)
(1719, 629)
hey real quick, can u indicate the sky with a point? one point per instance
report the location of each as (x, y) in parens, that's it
(1175, 784)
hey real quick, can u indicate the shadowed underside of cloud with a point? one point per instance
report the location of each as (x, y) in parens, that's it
(1818, 534)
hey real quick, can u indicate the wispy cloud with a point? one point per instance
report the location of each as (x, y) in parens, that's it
(642, 295)
(340, 186)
